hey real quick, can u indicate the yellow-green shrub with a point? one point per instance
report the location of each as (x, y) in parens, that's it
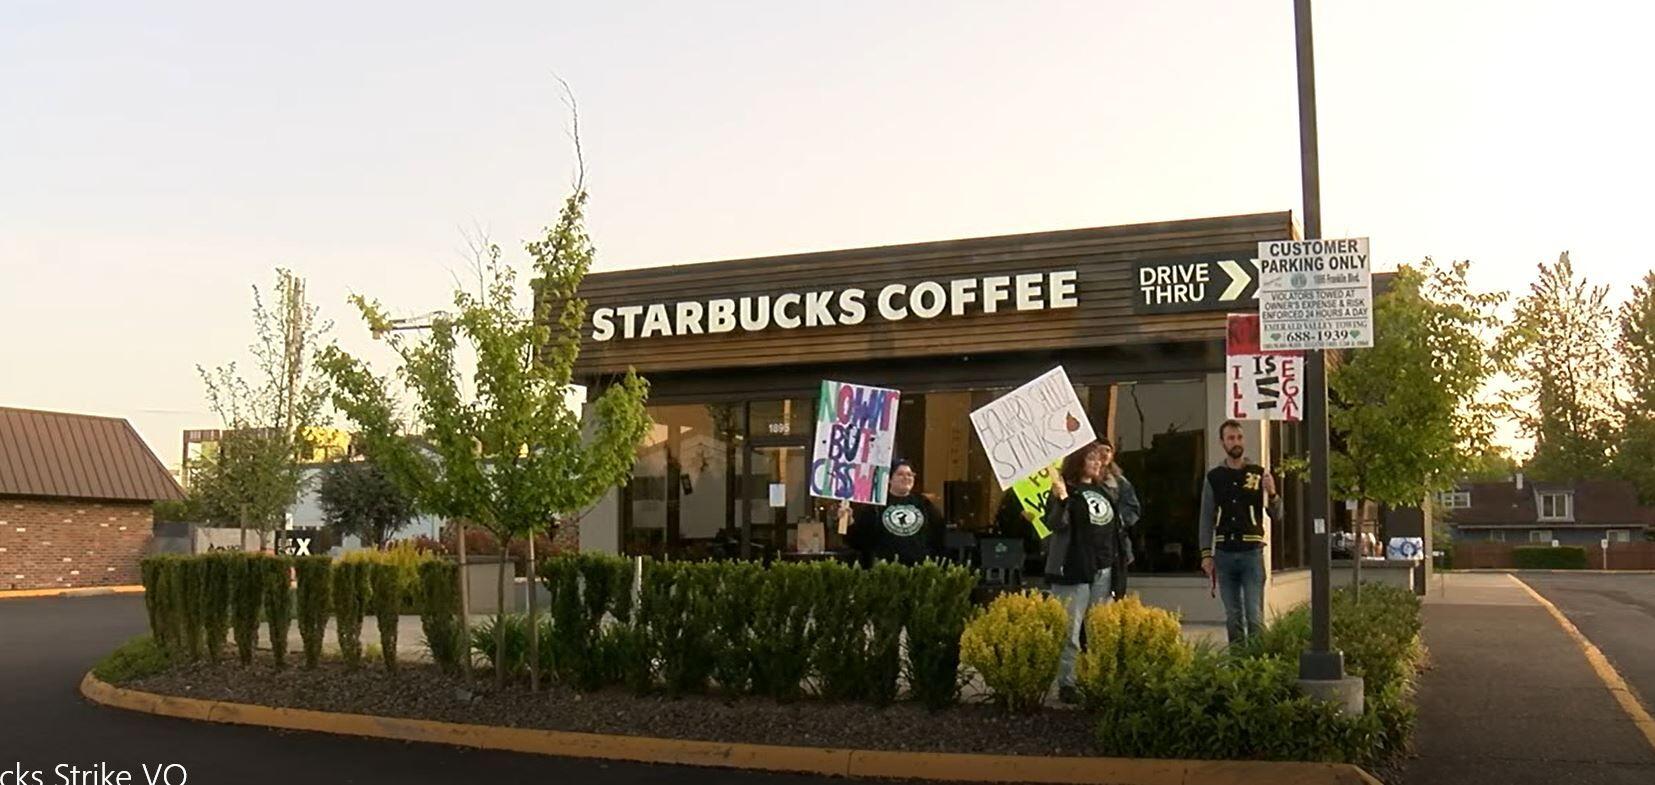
(406, 558)
(1014, 645)
(1125, 640)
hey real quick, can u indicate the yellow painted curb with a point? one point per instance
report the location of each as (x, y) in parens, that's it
(81, 591)
(1606, 672)
(948, 767)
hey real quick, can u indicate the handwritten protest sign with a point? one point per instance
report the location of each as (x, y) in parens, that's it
(1262, 385)
(855, 431)
(1026, 429)
(1031, 492)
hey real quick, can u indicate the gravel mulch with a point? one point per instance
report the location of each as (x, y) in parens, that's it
(421, 692)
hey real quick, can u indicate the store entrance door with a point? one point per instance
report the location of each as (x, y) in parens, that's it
(777, 498)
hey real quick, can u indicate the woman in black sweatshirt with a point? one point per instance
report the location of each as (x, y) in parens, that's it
(907, 529)
(1081, 513)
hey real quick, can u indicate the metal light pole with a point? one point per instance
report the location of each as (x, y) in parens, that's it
(1320, 662)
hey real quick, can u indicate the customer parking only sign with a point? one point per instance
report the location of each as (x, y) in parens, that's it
(1315, 294)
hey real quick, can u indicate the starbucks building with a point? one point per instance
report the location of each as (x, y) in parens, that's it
(736, 351)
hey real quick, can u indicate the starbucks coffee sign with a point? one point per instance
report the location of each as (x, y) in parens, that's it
(989, 294)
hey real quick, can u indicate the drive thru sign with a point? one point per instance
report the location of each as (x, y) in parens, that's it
(1315, 294)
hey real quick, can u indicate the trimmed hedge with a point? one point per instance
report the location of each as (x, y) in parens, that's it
(247, 581)
(439, 601)
(278, 603)
(785, 631)
(1541, 557)
(312, 598)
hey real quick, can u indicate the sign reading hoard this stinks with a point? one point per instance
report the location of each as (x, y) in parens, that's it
(1028, 428)
(855, 432)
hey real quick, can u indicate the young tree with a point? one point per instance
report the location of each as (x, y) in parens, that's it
(1635, 444)
(511, 458)
(1558, 344)
(1409, 411)
(357, 498)
(255, 474)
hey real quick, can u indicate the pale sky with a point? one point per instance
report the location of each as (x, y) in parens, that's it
(157, 159)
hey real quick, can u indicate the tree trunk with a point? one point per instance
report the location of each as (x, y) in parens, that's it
(243, 528)
(465, 601)
(534, 631)
(500, 620)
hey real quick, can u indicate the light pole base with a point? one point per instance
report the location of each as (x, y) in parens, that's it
(1346, 693)
(1321, 665)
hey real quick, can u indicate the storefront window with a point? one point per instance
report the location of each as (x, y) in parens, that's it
(682, 497)
(1161, 445)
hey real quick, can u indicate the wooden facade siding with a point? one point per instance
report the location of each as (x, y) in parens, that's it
(1105, 314)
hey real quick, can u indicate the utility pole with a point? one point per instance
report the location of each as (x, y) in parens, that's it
(1320, 665)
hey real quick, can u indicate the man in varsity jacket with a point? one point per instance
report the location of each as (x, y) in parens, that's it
(1234, 500)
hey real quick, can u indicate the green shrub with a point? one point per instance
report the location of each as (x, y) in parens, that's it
(191, 589)
(679, 623)
(516, 651)
(159, 602)
(842, 630)
(350, 604)
(278, 603)
(940, 604)
(135, 659)
(1229, 708)
(781, 630)
(247, 579)
(886, 587)
(1540, 557)
(387, 581)
(406, 558)
(1379, 633)
(314, 574)
(1126, 640)
(215, 611)
(584, 587)
(732, 641)
(1015, 645)
(439, 613)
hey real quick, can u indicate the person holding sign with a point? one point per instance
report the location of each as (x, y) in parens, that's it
(1081, 514)
(907, 528)
(1234, 498)
(1125, 498)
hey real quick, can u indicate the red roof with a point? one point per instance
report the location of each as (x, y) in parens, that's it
(78, 456)
(1596, 503)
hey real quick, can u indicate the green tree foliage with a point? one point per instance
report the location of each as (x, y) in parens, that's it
(1559, 345)
(512, 457)
(1635, 446)
(1409, 410)
(254, 475)
(358, 498)
(1494, 464)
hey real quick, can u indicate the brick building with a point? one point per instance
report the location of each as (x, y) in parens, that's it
(75, 499)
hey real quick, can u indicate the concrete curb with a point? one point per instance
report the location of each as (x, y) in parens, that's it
(88, 591)
(948, 767)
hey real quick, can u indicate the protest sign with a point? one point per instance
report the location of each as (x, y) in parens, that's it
(1031, 493)
(1028, 428)
(855, 431)
(1261, 385)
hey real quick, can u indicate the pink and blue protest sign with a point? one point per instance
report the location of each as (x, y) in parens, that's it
(855, 433)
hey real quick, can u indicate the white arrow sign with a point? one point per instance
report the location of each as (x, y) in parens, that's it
(1239, 278)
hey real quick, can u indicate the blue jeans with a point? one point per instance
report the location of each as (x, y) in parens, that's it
(1241, 587)
(1078, 598)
